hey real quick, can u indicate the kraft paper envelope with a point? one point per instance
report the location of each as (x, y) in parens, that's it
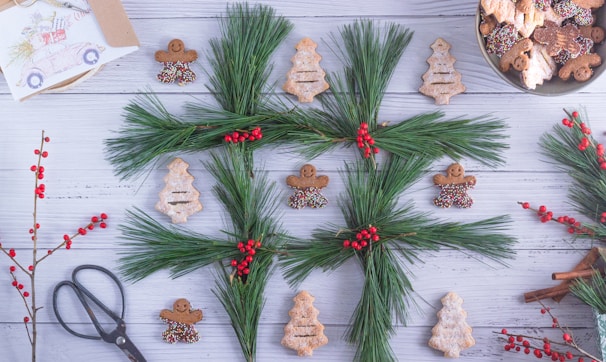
(112, 21)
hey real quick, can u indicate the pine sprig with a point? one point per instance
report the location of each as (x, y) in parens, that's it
(244, 301)
(592, 292)
(240, 64)
(588, 189)
(370, 54)
(240, 58)
(370, 202)
(152, 246)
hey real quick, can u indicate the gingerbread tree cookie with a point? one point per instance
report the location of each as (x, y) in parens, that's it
(441, 81)
(304, 332)
(181, 320)
(452, 334)
(453, 187)
(307, 188)
(306, 78)
(179, 198)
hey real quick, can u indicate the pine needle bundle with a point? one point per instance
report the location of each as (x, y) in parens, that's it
(370, 54)
(573, 150)
(240, 66)
(384, 234)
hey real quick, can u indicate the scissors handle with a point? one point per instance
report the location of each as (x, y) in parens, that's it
(84, 295)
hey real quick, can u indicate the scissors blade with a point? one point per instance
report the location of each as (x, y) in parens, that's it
(128, 347)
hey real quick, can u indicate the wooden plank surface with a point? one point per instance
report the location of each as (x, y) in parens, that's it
(81, 182)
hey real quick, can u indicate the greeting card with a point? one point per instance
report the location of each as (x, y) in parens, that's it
(44, 45)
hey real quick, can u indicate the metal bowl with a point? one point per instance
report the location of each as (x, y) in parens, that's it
(555, 86)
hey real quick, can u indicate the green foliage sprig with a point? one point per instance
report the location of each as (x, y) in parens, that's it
(582, 162)
(370, 201)
(591, 292)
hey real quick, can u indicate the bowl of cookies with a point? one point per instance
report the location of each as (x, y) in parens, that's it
(543, 47)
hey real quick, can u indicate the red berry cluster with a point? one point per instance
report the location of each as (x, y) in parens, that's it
(242, 266)
(365, 140)
(16, 283)
(95, 220)
(544, 346)
(363, 239)
(573, 226)
(239, 137)
(585, 141)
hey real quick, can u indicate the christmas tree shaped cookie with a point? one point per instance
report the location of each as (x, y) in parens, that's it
(179, 198)
(304, 332)
(441, 81)
(306, 77)
(452, 334)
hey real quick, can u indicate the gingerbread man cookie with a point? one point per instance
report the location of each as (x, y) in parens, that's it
(580, 67)
(516, 56)
(454, 187)
(307, 188)
(176, 63)
(180, 322)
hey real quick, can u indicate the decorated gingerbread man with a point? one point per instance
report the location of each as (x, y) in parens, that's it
(307, 188)
(176, 63)
(180, 322)
(454, 187)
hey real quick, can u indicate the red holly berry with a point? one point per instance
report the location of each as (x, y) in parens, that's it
(26, 294)
(25, 319)
(12, 268)
(12, 253)
(46, 139)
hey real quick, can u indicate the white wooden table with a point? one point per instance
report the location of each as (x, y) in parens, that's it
(80, 183)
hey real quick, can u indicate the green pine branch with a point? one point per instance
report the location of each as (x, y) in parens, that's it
(591, 292)
(244, 301)
(587, 191)
(152, 246)
(240, 60)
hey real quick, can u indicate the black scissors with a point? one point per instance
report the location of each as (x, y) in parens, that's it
(118, 335)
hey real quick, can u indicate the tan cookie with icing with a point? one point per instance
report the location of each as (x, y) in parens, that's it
(542, 67)
(516, 56)
(580, 67)
(503, 10)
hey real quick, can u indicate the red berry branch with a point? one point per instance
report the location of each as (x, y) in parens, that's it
(572, 225)
(363, 239)
(248, 249)
(567, 350)
(240, 136)
(29, 295)
(365, 140)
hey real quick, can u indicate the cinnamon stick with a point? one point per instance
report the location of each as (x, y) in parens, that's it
(586, 263)
(553, 292)
(576, 274)
(559, 291)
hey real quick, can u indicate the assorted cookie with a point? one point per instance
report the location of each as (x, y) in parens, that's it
(451, 334)
(307, 188)
(176, 63)
(306, 78)
(179, 198)
(441, 81)
(564, 28)
(454, 187)
(181, 320)
(304, 332)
